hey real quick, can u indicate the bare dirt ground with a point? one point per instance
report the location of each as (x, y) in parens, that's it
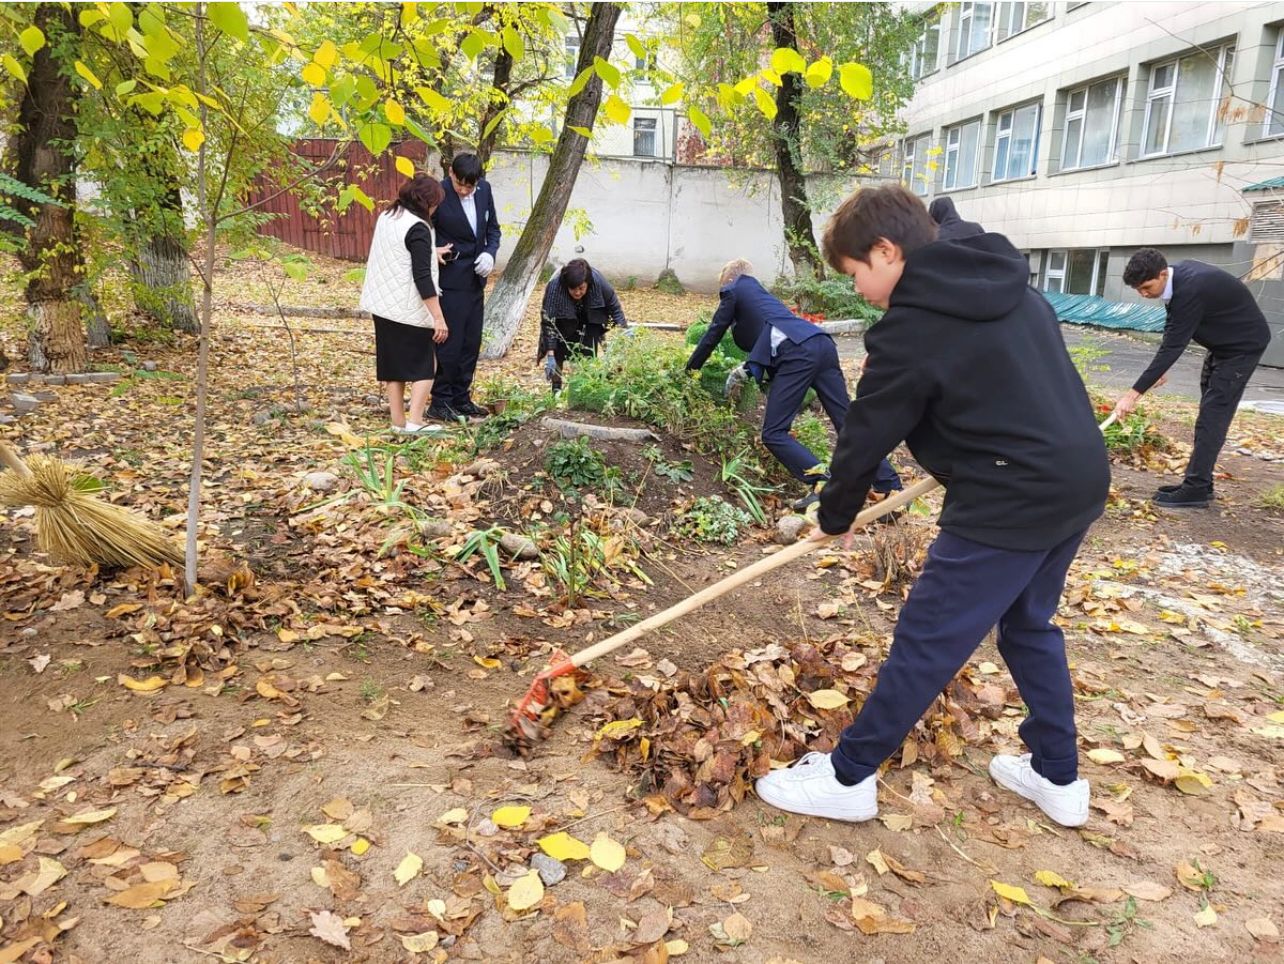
(314, 726)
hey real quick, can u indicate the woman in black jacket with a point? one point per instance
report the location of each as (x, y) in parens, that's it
(578, 306)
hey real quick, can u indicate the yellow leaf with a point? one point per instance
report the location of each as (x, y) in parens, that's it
(360, 846)
(266, 690)
(672, 94)
(419, 943)
(327, 54)
(1192, 782)
(193, 138)
(313, 75)
(319, 109)
(149, 685)
(617, 728)
(510, 817)
(406, 168)
(606, 853)
(47, 874)
(1008, 892)
(677, 948)
(142, 896)
(526, 893)
(32, 39)
(489, 662)
(15, 950)
(562, 846)
(326, 833)
(89, 75)
(1206, 917)
(320, 877)
(342, 432)
(395, 113)
(92, 816)
(408, 869)
(457, 815)
(827, 699)
(617, 110)
(1050, 878)
(9, 854)
(818, 74)
(1276, 717)
(1105, 755)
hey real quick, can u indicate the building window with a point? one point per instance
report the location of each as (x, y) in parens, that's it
(1078, 271)
(914, 164)
(572, 55)
(1092, 124)
(1075, 6)
(644, 139)
(961, 145)
(1185, 102)
(926, 50)
(975, 20)
(1275, 102)
(1016, 143)
(1015, 17)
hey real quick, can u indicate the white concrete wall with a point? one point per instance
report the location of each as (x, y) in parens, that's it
(649, 215)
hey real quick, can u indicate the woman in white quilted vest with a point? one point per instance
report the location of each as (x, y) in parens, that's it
(400, 291)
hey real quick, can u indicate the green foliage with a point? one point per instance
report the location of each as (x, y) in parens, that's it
(575, 464)
(726, 356)
(812, 430)
(668, 283)
(1273, 498)
(484, 542)
(1132, 434)
(738, 474)
(712, 519)
(12, 220)
(683, 471)
(582, 562)
(833, 298)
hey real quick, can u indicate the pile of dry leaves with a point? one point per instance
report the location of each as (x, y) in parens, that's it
(697, 740)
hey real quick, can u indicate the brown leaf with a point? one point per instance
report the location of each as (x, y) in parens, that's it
(871, 918)
(142, 896)
(722, 853)
(570, 927)
(653, 926)
(1147, 890)
(330, 928)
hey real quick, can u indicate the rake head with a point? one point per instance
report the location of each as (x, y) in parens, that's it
(552, 691)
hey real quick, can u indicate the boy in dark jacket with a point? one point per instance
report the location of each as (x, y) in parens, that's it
(969, 368)
(795, 355)
(1215, 309)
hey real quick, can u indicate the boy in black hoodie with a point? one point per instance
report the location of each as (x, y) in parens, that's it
(968, 367)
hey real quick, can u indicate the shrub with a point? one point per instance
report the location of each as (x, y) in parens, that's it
(712, 519)
(831, 299)
(575, 464)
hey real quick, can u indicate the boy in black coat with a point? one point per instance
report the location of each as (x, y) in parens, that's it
(968, 367)
(1215, 309)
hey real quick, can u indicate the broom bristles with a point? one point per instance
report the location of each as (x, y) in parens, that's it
(74, 527)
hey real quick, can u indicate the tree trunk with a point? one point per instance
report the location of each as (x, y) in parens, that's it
(503, 76)
(42, 147)
(508, 301)
(97, 328)
(786, 132)
(162, 279)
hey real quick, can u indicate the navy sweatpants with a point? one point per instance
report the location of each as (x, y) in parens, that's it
(800, 366)
(965, 589)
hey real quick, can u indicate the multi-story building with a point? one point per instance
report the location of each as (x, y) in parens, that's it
(1084, 131)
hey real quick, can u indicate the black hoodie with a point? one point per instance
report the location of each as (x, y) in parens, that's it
(949, 225)
(968, 367)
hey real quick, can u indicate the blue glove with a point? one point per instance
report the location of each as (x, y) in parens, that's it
(550, 368)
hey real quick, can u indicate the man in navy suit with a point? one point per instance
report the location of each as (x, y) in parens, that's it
(467, 226)
(796, 355)
(1215, 309)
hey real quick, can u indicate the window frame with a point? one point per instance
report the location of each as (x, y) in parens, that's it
(1100, 269)
(958, 153)
(918, 51)
(1225, 51)
(967, 14)
(1000, 134)
(654, 132)
(909, 159)
(1274, 110)
(1081, 115)
(571, 44)
(1004, 18)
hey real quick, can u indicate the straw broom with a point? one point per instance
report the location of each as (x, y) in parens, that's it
(73, 526)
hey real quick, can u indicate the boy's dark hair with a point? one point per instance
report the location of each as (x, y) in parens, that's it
(889, 211)
(419, 196)
(1147, 263)
(466, 167)
(574, 273)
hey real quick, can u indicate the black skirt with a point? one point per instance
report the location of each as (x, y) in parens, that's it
(403, 353)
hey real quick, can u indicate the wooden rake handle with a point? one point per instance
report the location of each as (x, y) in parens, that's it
(748, 574)
(12, 461)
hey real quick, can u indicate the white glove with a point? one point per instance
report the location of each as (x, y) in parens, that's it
(484, 264)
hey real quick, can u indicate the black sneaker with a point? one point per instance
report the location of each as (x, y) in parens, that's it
(817, 482)
(1184, 497)
(1170, 488)
(471, 409)
(438, 412)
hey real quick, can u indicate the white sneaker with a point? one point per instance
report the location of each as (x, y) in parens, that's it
(414, 428)
(810, 787)
(1066, 805)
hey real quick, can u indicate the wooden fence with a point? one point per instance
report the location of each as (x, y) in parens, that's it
(346, 236)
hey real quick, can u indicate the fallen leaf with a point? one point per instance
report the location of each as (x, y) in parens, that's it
(1016, 895)
(326, 833)
(617, 728)
(606, 853)
(1206, 917)
(48, 873)
(1104, 755)
(360, 846)
(91, 816)
(38, 663)
(827, 699)
(562, 846)
(420, 943)
(339, 809)
(149, 685)
(142, 896)
(677, 948)
(1263, 929)
(1189, 876)
(841, 856)
(331, 928)
(526, 892)
(1147, 890)
(1192, 782)
(871, 918)
(1050, 878)
(457, 815)
(15, 951)
(408, 869)
(510, 817)
(875, 858)
(897, 821)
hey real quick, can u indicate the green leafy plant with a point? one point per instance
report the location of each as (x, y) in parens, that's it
(581, 560)
(832, 299)
(813, 431)
(736, 474)
(712, 519)
(683, 471)
(484, 542)
(574, 463)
